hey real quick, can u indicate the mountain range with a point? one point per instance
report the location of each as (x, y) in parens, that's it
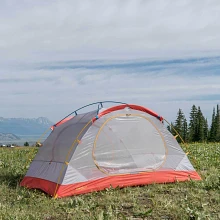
(8, 137)
(24, 126)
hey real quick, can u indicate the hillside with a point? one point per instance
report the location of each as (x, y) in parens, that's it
(24, 126)
(180, 200)
(8, 137)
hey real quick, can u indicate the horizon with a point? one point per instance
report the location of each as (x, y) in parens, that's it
(53, 122)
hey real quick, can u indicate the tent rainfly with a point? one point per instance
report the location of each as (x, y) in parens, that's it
(124, 145)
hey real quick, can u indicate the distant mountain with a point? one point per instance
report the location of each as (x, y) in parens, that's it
(8, 137)
(24, 126)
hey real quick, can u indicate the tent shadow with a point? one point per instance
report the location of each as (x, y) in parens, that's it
(12, 181)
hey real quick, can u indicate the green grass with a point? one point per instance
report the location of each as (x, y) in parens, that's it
(185, 200)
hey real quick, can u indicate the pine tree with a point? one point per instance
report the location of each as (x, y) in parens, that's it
(206, 130)
(193, 124)
(217, 125)
(26, 144)
(213, 127)
(185, 130)
(198, 129)
(179, 124)
(172, 129)
(199, 136)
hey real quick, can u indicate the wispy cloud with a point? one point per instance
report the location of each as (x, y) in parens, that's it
(53, 92)
(10, 80)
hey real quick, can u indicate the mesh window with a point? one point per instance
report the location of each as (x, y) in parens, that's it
(128, 143)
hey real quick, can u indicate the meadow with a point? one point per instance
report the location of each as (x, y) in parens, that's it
(180, 200)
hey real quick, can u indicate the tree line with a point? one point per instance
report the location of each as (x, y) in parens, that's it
(196, 129)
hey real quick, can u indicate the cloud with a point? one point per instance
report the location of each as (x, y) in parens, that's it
(24, 80)
(162, 85)
(74, 29)
(59, 55)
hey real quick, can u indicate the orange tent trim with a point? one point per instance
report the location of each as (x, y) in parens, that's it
(121, 181)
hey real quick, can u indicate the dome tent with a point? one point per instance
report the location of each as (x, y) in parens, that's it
(124, 145)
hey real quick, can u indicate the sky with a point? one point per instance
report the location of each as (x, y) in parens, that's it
(56, 56)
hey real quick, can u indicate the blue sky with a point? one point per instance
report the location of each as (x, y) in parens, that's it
(59, 55)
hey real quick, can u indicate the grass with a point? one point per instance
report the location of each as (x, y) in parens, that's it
(185, 200)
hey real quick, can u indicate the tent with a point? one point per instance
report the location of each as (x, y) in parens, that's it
(123, 145)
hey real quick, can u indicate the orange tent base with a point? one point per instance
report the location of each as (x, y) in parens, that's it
(110, 181)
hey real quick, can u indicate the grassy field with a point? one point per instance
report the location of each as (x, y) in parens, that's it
(186, 200)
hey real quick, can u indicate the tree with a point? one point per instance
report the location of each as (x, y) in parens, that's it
(213, 127)
(198, 129)
(200, 123)
(185, 130)
(193, 124)
(26, 144)
(217, 125)
(180, 125)
(170, 128)
(206, 130)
